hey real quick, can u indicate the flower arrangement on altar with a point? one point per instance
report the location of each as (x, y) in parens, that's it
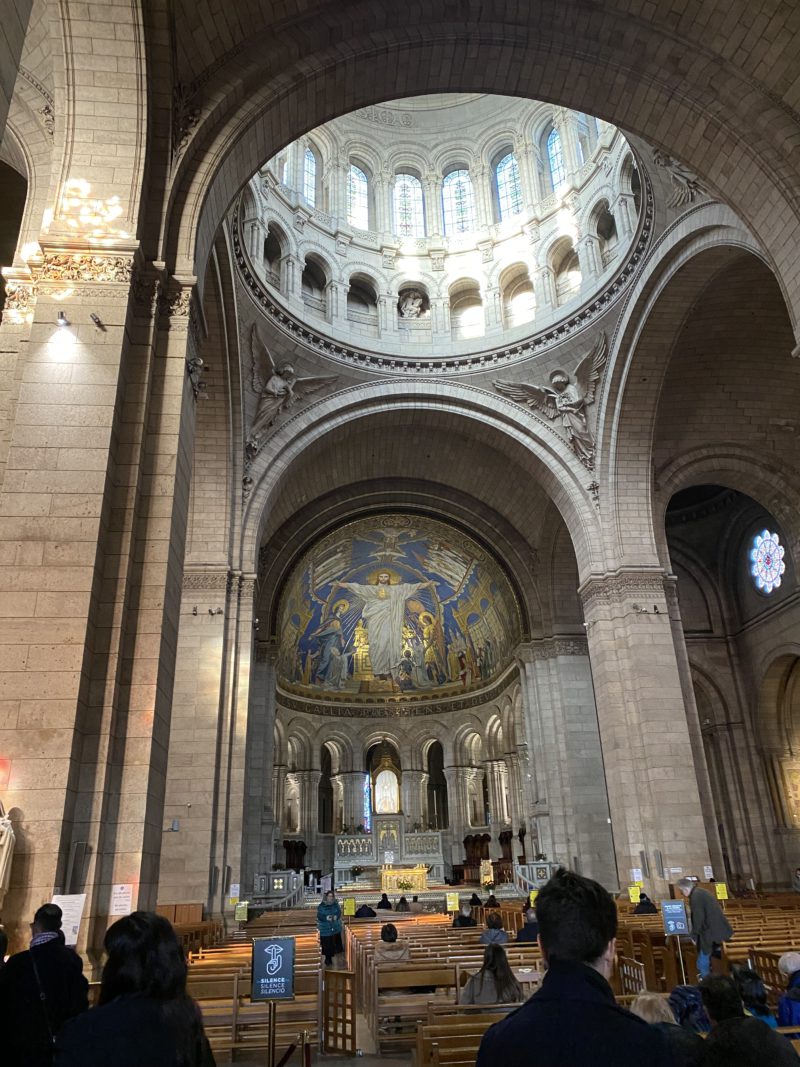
(404, 885)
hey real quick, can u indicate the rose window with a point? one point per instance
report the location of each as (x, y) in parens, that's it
(766, 561)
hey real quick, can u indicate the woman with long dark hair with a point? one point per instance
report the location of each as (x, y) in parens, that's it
(494, 983)
(144, 1018)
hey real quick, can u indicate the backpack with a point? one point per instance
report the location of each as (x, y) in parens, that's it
(687, 1006)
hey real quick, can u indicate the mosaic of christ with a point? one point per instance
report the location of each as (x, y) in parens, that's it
(396, 604)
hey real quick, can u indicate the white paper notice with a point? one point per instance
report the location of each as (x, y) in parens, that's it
(71, 910)
(121, 899)
(636, 874)
(708, 873)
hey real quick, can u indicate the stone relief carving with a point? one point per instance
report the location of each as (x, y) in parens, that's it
(19, 298)
(686, 186)
(566, 401)
(278, 389)
(185, 117)
(208, 580)
(382, 117)
(613, 588)
(85, 267)
(176, 303)
(48, 116)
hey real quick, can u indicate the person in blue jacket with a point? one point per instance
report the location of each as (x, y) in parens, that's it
(329, 924)
(789, 1002)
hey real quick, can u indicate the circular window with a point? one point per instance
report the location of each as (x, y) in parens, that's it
(766, 561)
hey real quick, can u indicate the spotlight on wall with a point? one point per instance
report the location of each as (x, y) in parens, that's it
(97, 321)
(61, 319)
(194, 611)
(215, 611)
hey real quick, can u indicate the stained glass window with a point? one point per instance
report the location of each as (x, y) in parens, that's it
(766, 561)
(555, 158)
(409, 216)
(458, 202)
(310, 178)
(509, 189)
(357, 198)
(366, 810)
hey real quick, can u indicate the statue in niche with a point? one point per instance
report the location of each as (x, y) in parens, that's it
(387, 795)
(411, 304)
(565, 400)
(7, 841)
(278, 388)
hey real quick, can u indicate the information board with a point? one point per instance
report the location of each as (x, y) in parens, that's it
(673, 913)
(72, 906)
(452, 901)
(273, 968)
(634, 892)
(240, 911)
(534, 893)
(722, 890)
(349, 906)
(121, 899)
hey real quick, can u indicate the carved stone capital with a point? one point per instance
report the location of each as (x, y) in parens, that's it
(20, 302)
(642, 585)
(84, 267)
(552, 648)
(214, 581)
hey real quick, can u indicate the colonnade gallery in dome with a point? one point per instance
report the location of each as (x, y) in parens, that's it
(398, 449)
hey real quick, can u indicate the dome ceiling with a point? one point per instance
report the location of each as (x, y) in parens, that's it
(443, 230)
(396, 605)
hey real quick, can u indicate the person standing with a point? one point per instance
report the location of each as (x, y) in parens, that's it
(574, 1020)
(709, 927)
(329, 924)
(40, 989)
(145, 1017)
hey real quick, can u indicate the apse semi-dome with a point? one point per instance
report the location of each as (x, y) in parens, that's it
(396, 605)
(443, 226)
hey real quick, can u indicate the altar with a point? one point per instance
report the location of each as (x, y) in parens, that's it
(387, 845)
(404, 879)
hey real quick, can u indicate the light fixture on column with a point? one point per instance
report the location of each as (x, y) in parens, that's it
(61, 319)
(97, 321)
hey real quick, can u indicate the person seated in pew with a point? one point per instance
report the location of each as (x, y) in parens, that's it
(494, 983)
(475, 901)
(365, 912)
(491, 901)
(415, 907)
(494, 934)
(687, 1045)
(402, 905)
(389, 949)
(529, 931)
(573, 1020)
(736, 1040)
(464, 917)
(384, 904)
(754, 995)
(789, 1002)
(645, 906)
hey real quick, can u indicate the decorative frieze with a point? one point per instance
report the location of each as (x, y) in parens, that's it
(79, 267)
(207, 580)
(553, 648)
(623, 585)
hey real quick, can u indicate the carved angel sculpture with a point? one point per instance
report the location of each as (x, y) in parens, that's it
(685, 184)
(565, 400)
(278, 388)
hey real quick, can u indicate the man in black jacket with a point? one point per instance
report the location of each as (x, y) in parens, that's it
(574, 1020)
(39, 990)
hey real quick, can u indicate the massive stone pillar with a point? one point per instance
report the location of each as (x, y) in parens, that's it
(92, 528)
(569, 805)
(413, 784)
(15, 22)
(656, 810)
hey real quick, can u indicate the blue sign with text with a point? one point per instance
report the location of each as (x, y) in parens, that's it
(273, 968)
(673, 912)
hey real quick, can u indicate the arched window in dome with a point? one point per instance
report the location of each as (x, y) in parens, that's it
(458, 202)
(409, 215)
(555, 158)
(766, 561)
(310, 177)
(357, 198)
(509, 187)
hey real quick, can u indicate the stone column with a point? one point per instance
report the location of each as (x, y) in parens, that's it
(457, 809)
(650, 770)
(412, 796)
(544, 287)
(515, 798)
(279, 775)
(494, 785)
(623, 209)
(432, 191)
(353, 786)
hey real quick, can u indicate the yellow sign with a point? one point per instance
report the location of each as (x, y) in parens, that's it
(722, 890)
(534, 893)
(240, 911)
(640, 885)
(634, 893)
(349, 906)
(452, 901)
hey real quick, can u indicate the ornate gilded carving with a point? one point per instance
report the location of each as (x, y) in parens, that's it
(85, 267)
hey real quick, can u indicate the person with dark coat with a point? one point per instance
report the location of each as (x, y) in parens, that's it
(491, 902)
(709, 926)
(475, 901)
(645, 906)
(40, 989)
(735, 1039)
(365, 912)
(145, 1018)
(464, 917)
(686, 1044)
(573, 1020)
(384, 904)
(529, 931)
